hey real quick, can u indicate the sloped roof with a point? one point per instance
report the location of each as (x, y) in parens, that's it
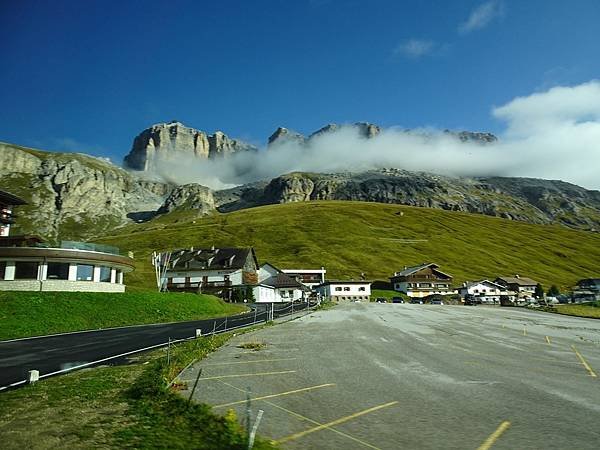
(413, 269)
(281, 280)
(469, 284)
(521, 281)
(211, 258)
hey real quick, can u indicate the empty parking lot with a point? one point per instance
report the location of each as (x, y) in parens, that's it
(414, 376)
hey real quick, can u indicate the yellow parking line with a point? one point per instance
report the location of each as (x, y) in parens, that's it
(334, 422)
(249, 362)
(547, 339)
(584, 362)
(494, 436)
(247, 375)
(300, 416)
(295, 391)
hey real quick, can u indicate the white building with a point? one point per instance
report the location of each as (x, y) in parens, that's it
(308, 277)
(485, 291)
(275, 286)
(345, 291)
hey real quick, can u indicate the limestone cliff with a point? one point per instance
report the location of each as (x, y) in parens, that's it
(172, 140)
(74, 195)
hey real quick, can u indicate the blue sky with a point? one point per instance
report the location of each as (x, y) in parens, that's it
(90, 75)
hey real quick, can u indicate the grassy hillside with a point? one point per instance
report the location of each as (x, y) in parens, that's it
(353, 237)
(25, 314)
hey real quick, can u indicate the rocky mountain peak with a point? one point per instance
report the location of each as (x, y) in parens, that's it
(174, 139)
(283, 135)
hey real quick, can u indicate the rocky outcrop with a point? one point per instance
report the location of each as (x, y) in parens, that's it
(190, 197)
(171, 140)
(74, 195)
(524, 199)
(283, 135)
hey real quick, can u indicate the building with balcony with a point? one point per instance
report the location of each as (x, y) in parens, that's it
(422, 280)
(29, 264)
(308, 277)
(213, 270)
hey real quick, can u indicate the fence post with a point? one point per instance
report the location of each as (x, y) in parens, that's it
(254, 428)
(194, 388)
(225, 323)
(169, 353)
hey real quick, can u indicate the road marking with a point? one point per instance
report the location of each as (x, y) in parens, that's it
(584, 362)
(250, 362)
(494, 436)
(295, 391)
(547, 339)
(247, 375)
(300, 416)
(334, 422)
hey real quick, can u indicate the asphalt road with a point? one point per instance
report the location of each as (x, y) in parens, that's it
(397, 376)
(59, 352)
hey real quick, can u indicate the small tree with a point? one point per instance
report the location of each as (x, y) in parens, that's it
(250, 294)
(553, 291)
(236, 296)
(539, 291)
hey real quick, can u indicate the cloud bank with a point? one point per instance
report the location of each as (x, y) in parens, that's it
(553, 135)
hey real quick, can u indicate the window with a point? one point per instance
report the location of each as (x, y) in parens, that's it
(57, 271)
(85, 272)
(346, 289)
(362, 288)
(26, 270)
(338, 288)
(2, 269)
(119, 276)
(105, 274)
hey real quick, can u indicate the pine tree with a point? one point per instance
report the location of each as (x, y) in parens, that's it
(539, 291)
(553, 291)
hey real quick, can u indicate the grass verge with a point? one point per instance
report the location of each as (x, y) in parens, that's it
(24, 314)
(120, 407)
(590, 310)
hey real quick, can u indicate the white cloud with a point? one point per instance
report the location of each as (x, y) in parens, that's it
(415, 48)
(553, 135)
(481, 16)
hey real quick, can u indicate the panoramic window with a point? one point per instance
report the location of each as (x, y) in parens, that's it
(57, 271)
(105, 274)
(26, 270)
(85, 272)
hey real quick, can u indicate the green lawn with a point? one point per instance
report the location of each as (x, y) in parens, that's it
(120, 407)
(387, 294)
(583, 310)
(24, 314)
(350, 238)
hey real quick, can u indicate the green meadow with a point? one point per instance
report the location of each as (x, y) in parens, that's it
(354, 238)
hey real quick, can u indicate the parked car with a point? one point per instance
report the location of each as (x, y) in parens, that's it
(397, 300)
(381, 300)
(437, 302)
(416, 301)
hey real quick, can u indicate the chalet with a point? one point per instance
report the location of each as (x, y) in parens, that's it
(484, 291)
(211, 270)
(308, 277)
(520, 285)
(345, 291)
(276, 286)
(422, 280)
(587, 290)
(28, 264)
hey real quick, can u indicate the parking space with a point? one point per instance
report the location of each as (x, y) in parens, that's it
(413, 376)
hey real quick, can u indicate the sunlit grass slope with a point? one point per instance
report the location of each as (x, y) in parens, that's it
(353, 237)
(24, 314)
